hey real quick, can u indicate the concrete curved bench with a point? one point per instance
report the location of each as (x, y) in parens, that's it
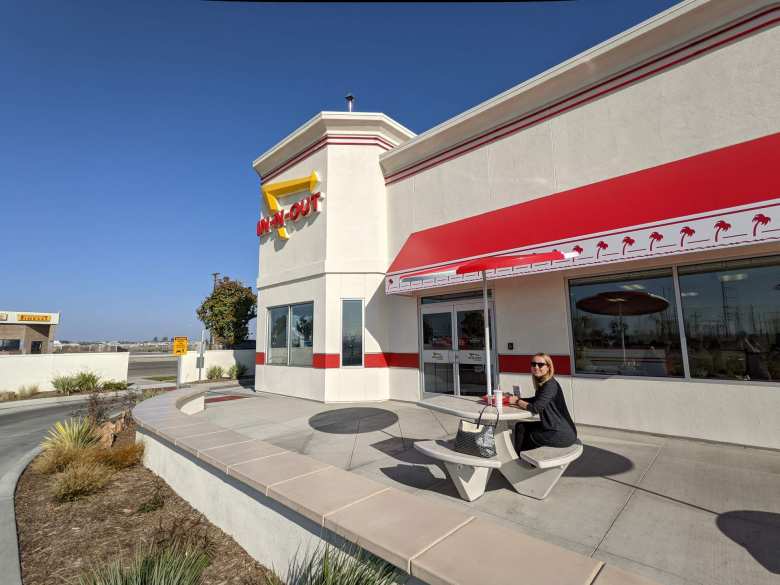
(468, 473)
(435, 542)
(547, 457)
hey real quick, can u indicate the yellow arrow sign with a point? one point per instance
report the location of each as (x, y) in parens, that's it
(273, 191)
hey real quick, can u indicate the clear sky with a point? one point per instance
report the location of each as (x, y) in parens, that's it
(128, 128)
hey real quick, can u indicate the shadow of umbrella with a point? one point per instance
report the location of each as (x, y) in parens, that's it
(757, 532)
(621, 304)
(597, 462)
(350, 421)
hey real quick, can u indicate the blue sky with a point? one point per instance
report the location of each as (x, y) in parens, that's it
(127, 129)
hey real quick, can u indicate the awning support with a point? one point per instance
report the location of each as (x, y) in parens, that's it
(488, 368)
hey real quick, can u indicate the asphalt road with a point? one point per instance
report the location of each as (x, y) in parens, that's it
(22, 429)
(145, 367)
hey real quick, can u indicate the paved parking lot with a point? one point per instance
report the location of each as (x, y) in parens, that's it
(679, 511)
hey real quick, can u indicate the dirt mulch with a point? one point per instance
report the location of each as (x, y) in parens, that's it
(59, 541)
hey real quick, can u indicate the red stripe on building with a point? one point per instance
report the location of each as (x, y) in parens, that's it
(325, 360)
(521, 364)
(260, 358)
(733, 176)
(392, 360)
(572, 102)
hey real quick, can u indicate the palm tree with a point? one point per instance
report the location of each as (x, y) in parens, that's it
(627, 241)
(686, 232)
(655, 237)
(602, 245)
(721, 226)
(759, 219)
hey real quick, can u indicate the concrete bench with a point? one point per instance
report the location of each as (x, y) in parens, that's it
(533, 473)
(469, 473)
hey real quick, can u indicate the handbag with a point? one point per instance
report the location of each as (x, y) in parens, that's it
(477, 439)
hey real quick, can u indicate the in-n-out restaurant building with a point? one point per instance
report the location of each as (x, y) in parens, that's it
(655, 155)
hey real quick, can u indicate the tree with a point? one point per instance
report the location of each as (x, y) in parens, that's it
(154, 339)
(227, 310)
(165, 339)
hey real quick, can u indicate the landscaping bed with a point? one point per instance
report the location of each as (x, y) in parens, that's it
(60, 541)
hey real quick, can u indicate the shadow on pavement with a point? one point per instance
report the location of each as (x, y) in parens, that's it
(757, 532)
(343, 421)
(597, 462)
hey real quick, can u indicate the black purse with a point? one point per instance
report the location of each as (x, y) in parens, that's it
(477, 439)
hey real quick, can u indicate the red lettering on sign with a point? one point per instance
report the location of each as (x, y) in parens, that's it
(263, 226)
(315, 200)
(295, 211)
(305, 206)
(277, 220)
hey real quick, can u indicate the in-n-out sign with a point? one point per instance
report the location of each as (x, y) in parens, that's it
(300, 209)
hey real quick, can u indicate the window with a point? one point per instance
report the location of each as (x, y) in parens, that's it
(291, 335)
(731, 312)
(626, 325)
(10, 344)
(301, 334)
(277, 334)
(352, 332)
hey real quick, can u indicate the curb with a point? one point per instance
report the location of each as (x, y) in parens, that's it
(9, 544)
(41, 402)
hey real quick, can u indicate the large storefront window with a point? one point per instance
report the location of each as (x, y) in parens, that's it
(291, 335)
(732, 319)
(626, 325)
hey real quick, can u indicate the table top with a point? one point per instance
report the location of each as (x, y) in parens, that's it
(469, 407)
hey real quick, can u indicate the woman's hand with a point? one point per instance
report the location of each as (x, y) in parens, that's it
(517, 402)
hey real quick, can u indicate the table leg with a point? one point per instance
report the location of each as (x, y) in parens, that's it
(524, 477)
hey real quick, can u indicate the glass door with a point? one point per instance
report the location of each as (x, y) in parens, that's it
(453, 348)
(438, 357)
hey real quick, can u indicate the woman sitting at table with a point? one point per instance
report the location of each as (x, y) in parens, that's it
(555, 427)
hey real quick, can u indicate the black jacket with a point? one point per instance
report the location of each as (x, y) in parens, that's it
(556, 429)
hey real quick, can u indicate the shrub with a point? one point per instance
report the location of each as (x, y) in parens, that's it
(215, 372)
(64, 384)
(6, 396)
(236, 371)
(87, 381)
(80, 478)
(113, 385)
(337, 566)
(28, 391)
(174, 565)
(56, 459)
(156, 501)
(117, 457)
(74, 433)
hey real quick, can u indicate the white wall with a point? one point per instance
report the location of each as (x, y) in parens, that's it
(216, 357)
(39, 369)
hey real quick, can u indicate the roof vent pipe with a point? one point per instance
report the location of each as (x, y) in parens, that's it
(350, 101)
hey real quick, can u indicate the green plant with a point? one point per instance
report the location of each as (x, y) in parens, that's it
(174, 565)
(64, 384)
(215, 372)
(113, 385)
(236, 371)
(87, 381)
(337, 566)
(75, 433)
(80, 478)
(227, 310)
(156, 500)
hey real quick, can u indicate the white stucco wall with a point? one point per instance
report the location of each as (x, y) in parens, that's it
(39, 369)
(224, 358)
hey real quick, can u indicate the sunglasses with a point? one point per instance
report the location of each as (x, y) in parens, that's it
(538, 364)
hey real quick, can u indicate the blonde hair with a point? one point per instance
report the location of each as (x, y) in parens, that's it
(538, 382)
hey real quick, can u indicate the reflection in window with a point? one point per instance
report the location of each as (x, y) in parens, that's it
(731, 313)
(626, 325)
(301, 334)
(437, 330)
(352, 332)
(10, 344)
(277, 335)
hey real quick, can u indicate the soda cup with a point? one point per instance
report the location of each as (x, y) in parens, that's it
(499, 398)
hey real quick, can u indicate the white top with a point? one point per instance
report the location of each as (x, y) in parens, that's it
(470, 407)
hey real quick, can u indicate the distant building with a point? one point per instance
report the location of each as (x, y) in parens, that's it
(27, 332)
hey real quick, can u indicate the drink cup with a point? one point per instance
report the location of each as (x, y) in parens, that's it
(499, 398)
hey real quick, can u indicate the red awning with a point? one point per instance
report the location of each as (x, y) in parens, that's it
(726, 197)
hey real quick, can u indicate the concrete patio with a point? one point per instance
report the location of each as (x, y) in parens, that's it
(675, 510)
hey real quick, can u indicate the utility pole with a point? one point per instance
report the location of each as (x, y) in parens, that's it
(215, 275)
